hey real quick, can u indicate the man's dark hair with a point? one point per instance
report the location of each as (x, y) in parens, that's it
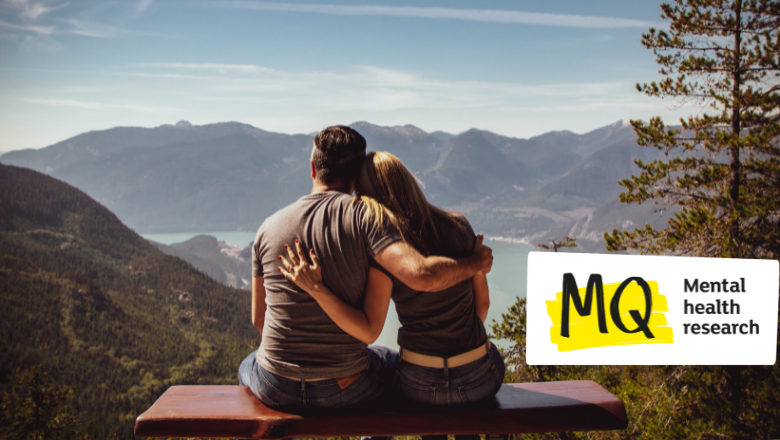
(339, 152)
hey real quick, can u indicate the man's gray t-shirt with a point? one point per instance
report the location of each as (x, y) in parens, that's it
(299, 339)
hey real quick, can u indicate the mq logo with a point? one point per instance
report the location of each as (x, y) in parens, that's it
(581, 329)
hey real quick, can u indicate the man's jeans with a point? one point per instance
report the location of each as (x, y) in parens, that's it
(302, 396)
(468, 383)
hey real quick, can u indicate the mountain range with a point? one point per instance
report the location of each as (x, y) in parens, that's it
(230, 176)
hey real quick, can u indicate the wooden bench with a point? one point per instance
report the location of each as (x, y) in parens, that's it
(234, 412)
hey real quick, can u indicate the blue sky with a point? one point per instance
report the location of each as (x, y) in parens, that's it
(517, 68)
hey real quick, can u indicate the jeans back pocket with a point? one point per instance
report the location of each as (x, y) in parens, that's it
(413, 391)
(484, 386)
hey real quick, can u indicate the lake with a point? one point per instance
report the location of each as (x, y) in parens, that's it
(507, 279)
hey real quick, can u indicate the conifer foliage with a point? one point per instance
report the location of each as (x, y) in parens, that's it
(721, 178)
(721, 175)
(722, 170)
(38, 409)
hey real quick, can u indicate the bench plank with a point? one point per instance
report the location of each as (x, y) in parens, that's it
(234, 412)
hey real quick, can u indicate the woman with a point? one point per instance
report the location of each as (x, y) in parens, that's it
(445, 355)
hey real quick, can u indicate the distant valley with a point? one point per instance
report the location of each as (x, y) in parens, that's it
(230, 176)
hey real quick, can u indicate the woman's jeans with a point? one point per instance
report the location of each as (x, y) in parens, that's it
(467, 383)
(301, 395)
(447, 386)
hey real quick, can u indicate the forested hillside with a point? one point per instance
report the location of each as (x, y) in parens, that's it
(102, 309)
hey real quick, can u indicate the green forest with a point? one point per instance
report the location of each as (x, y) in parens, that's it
(102, 312)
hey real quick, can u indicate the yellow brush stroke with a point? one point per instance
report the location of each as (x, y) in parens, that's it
(584, 330)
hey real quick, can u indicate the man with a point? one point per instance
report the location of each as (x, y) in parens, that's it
(305, 361)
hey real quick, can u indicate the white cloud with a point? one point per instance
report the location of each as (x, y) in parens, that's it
(33, 10)
(87, 28)
(143, 4)
(91, 105)
(369, 88)
(29, 10)
(484, 15)
(600, 105)
(24, 17)
(165, 75)
(221, 68)
(40, 30)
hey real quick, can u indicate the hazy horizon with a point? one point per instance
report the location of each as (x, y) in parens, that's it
(624, 121)
(519, 69)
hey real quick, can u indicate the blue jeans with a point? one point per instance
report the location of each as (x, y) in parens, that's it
(467, 383)
(299, 396)
(448, 386)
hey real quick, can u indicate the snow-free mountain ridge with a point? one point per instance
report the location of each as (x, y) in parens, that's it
(230, 176)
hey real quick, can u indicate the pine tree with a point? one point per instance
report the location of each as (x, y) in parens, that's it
(721, 176)
(557, 244)
(722, 171)
(37, 409)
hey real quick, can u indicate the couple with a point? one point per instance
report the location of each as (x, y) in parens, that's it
(317, 319)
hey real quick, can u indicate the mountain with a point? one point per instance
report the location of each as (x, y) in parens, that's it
(582, 202)
(231, 176)
(594, 180)
(472, 169)
(551, 160)
(588, 143)
(589, 229)
(213, 183)
(417, 149)
(95, 144)
(442, 135)
(102, 309)
(228, 264)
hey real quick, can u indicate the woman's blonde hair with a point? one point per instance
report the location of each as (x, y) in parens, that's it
(390, 191)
